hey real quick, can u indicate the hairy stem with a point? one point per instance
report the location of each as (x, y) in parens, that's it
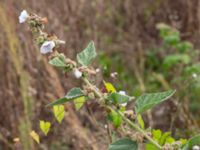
(96, 90)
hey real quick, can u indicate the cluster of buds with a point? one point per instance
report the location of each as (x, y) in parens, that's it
(78, 72)
(89, 92)
(137, 136)
(46, 42)
(176, 144)
(167, 147)
(130, 114)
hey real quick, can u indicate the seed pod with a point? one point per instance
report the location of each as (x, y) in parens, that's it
(40, 40)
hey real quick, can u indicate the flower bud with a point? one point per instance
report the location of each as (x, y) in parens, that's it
(40, 39)
(130, 114)
(77, 73)
(91, 95)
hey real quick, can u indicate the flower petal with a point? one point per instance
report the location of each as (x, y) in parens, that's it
(122, 92)
(77, 73)
(47, 47)
(23, 16)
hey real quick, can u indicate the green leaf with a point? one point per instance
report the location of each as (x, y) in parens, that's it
(79, 102)
(117, 98)
(59, 112)
(156, 134)
(35, 136)
(115, 118)
(58, 61)
(71, 95)
(172, 38)
(45, 126)
(109, 87)
(74, 93)
(123, 144)
(147, 101)
(164, 138)
(150, 146)
(140, 121)
(194, 68)
(191, 142)
(170, 140)
(184, 46)
(173, 59)
(85, 57)
(183, 141)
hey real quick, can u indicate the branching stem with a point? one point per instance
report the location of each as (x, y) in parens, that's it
(129, 122)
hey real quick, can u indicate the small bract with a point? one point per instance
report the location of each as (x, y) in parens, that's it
(47, 47)
(77, 73)
(23, 16)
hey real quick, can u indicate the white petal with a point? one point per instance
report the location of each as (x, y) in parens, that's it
(194, 75)
(23, 16)
(47, 47)
(195, 147)
(77, 73)
(122, 92)
(97, 70)
(105, 126)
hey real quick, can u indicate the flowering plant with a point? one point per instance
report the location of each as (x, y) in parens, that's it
(129, 122)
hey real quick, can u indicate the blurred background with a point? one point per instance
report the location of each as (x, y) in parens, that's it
(148, 57)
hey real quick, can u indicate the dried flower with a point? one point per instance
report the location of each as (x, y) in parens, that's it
(23, 16)
(47, 47)
(77, 73)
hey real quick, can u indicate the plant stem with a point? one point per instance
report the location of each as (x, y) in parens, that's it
(129, 122)
(136, 127)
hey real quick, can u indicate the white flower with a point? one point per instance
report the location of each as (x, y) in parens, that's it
(77, 73)
(114, 74)
(122, 92)
(195, 147)
(123, 104)
(97, 70)
(47, 47)
(23, 16)
(194, 75)
(105, 126)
